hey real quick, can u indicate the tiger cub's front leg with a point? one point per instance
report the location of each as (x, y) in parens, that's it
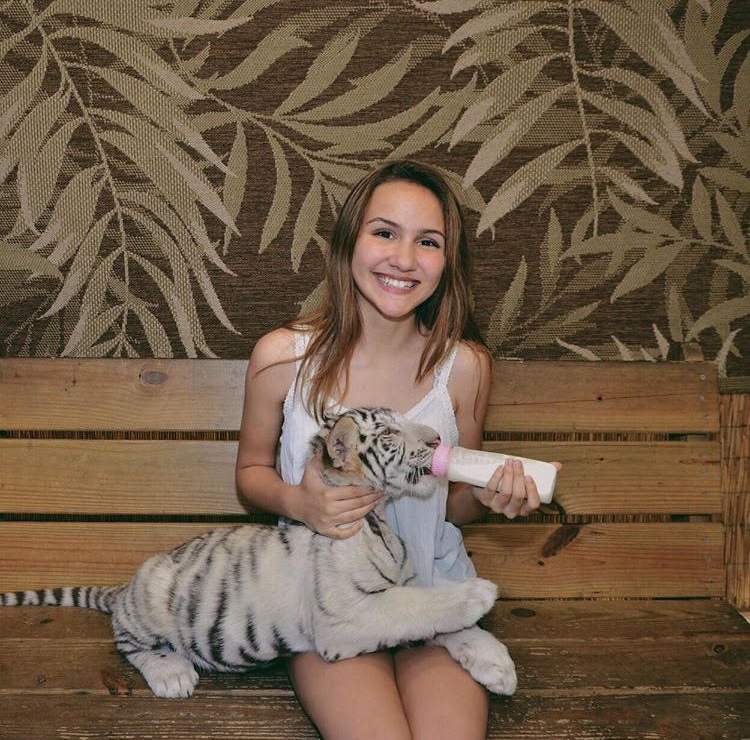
(402, 614)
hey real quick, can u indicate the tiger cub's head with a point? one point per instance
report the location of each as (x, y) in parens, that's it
(375, 447)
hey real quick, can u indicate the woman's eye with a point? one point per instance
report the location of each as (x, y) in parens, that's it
(429, 243)
(384, 233)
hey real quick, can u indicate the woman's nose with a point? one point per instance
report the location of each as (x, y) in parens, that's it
(403, 255)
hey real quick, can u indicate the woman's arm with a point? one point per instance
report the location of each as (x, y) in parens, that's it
(508, 491)
(333, 511)
(270, 373)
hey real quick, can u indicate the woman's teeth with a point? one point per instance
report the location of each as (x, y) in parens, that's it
(393, 283)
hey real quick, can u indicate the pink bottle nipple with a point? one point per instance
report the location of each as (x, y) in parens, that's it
(440, 460)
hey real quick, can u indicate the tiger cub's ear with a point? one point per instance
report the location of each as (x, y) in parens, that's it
(342, 441)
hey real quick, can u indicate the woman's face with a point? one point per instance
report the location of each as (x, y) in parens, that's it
(399, 255)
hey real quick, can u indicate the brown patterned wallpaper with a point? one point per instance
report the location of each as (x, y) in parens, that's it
(169, 170)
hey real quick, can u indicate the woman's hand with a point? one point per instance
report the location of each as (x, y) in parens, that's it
(334, 511)
(509, 491)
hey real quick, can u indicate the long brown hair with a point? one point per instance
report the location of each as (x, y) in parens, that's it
(446, 316)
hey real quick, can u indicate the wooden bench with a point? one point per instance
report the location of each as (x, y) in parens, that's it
(613, 600)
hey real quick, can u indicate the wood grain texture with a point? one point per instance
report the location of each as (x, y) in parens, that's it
(624, 716)
(543, 666)
(539, 620)
(610, 560)
(735, 441)
(45, 554)
(604, 396)
(121, 394)
(568, 660)
(678, 477)
(118, 476)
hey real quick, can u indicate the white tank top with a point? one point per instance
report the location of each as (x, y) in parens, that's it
(435, 546)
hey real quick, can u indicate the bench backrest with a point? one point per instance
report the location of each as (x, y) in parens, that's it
(103, 462)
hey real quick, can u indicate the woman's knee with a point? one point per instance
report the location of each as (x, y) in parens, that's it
(440, 698)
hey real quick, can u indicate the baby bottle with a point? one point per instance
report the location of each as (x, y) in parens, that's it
(477, 466)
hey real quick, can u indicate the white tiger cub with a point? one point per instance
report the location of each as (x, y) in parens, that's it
(237, 596)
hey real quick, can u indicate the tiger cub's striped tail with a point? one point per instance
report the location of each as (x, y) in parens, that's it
(99, 598)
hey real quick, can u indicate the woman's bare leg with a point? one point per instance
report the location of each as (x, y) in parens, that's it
(353, 699)
(442, 701)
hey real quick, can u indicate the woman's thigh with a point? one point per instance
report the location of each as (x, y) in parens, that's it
(353, 699)
(441, 700)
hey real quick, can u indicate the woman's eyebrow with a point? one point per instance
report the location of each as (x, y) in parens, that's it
(395, 225)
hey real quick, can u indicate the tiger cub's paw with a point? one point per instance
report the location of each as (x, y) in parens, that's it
(483, 656)
(493, 668)
(167, 674)
(478, 597)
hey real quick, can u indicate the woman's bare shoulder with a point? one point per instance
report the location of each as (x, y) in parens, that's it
(469, 387)
(272, 367)
(472, 362)
(278, 346)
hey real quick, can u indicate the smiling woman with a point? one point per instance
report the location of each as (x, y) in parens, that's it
(395, 330)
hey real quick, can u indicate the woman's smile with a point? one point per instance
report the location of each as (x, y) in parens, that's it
(396, 283)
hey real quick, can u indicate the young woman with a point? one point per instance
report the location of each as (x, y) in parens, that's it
(395, 330)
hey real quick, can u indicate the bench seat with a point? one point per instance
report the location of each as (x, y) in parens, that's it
(587, 670)
(615, 600)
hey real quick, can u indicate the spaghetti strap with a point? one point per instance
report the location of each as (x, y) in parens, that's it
(301, 340)
(443, 370)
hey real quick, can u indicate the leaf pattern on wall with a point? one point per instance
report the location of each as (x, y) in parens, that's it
(111, 177)
(169, 171)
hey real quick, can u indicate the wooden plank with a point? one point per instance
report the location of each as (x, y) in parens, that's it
(118, 476)
(593, 620)
(66, 394)
(527, 560)
(604, 396)
(669, 716)
(41, 554)
(630, 715)
(593, 717)
(735, 440)
(709, 662)
(94, 667)
(229, 717)
(197, 477)
(598, 644)
(664, 664)
(40, 716)
(610, 560)
(50, 623)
